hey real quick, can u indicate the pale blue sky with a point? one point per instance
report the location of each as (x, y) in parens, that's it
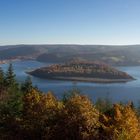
(69, 21)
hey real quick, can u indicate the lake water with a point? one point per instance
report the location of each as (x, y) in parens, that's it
(115, 91)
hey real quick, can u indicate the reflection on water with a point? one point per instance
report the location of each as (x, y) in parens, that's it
(116, 91)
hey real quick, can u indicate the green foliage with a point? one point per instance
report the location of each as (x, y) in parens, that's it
(1, 78)
(69, 94)
(103, 104)
(10, 76)
(10, 80)
(27, 85)
(138, 108)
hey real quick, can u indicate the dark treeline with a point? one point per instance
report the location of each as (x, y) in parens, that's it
(28, 114)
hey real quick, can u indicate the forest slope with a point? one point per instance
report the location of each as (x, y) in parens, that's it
(121, 55)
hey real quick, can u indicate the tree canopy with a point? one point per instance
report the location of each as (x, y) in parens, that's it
(29, 114)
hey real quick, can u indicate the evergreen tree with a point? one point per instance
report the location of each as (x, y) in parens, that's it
(1, 78)
(10, 77)
(103, 104)
(10, 81)
(27, 85)
(2, 86)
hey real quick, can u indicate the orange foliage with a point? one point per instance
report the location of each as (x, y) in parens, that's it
(121, 123)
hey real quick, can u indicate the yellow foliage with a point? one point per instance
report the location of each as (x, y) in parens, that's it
(82, 117)
(77, 118)
(30, 103)
(37, 104)
(122, 124)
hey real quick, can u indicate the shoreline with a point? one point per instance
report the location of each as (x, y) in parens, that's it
(85, 79)
(6, 61)
(93, 80)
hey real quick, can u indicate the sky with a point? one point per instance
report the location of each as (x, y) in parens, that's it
(69, 22)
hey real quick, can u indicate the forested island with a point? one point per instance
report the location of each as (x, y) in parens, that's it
(87, 71)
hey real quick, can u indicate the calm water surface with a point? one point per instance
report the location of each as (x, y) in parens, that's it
(116, 91)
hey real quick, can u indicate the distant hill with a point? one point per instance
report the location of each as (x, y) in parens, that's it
(113, 55)
(19, 51)
(82, 71)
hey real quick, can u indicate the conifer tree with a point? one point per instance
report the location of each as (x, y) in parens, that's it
(1, 78)
(103, 104)
(27, 85)
(10, 76)
(2, 86)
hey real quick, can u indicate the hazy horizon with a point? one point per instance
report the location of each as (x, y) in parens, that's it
(71, 44)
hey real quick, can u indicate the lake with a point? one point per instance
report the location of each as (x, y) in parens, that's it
(115, 91)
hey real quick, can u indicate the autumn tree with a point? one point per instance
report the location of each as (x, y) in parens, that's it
(79, 119)
(39, 114)
(120, 123)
